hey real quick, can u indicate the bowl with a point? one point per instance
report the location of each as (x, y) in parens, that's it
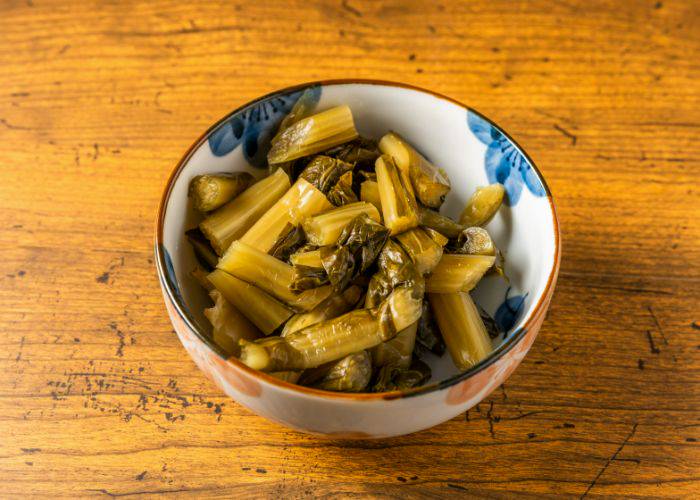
(474, 152)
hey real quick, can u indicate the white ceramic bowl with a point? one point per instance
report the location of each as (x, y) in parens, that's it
(474, 152)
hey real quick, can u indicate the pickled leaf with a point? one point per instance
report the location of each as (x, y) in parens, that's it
(350, 374)
(293, 239)
(395, 378)
(490, 324)
(341, 193)
(339, 265)
(306, 278)
(365, 238)
(428, 335)
(202, 249)
(324, 172)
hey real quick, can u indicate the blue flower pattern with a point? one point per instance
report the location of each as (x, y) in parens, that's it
(504, 163)
(509, 311)
(254, 127)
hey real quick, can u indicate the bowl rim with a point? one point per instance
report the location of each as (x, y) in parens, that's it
(515, 338)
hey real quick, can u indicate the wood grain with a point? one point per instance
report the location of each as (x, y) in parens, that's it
(98, 101)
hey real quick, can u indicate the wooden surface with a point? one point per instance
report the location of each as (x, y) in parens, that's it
(98, 101)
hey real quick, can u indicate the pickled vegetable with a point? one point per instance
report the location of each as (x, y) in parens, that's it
(395, 378)
(483, 205)
(209, 192)
(462, 328)
(269, 274)
(475, 241)
(324, 172)
(422, 249)
(332, 307)
(342, 193)
(292, 240)
(300, 201)
(306, 278)
(231, 221)
(369, 192)
(399, 208)
(397, 351)
(325, 228)
(458, 273)
(317, 288)
(351, 374)
(309, 258)
(263, 311)
(202, 249)
(333, 339)
(229, 325)
(430, 183)
(440, 223)
(364, 238)
(428, 335)
(313, 134)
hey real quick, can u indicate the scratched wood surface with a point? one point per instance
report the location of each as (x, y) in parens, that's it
(99, 100)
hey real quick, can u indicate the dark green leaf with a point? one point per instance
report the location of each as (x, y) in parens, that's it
(339, 265)
(341, 193)
(202, 249)
(365, 238)
(290, 243)
(306, 278)
(428, 335)
(393, 378)
(324, 172)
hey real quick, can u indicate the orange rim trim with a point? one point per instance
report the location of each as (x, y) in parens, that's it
(501, 351)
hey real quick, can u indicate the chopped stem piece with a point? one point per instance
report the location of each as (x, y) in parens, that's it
(325, 228)
(229, 325)
(288, 376)
(300, 201)
(231, 221)
(398, 350)
(399, 207)
(483, 205)
(313, 134)
(270, 274)
(332, 307)
(440, 223)
(422, 249)
(461, 327)
(310, 258)
(438, 238)
(261, 309)
(369, 192)
(430, 183)
(458, 273)
(350, 374)
(209, 192)
(202, 249)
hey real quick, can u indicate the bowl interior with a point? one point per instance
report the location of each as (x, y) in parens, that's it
(472, 150)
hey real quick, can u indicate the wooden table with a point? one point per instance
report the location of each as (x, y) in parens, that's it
(99, 100)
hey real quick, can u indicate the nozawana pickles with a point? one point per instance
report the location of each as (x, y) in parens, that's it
(458, 273)
(430, 183)
(313, 134)
(209, 192)
(440, 223)
(398, 350)
(483, 205)
(422, 249)
(300, 201)
(369, 192)
(332, 307)
(462, 328)
(269, 274)
(350, 374)
(309, 258)
(231, 221)
(399, 208)
(324, 229)
(229, 325)
(266, 313)
(335, 338)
